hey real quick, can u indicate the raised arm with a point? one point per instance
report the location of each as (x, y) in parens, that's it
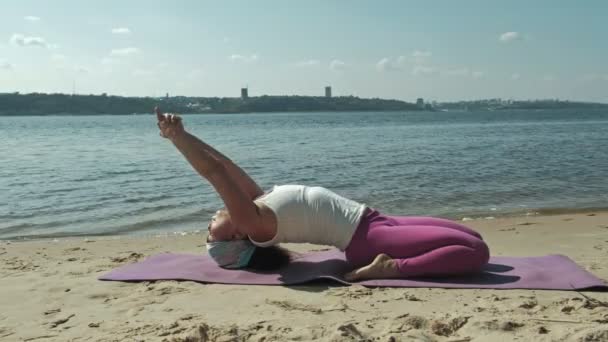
(245, 182)
(243, 211)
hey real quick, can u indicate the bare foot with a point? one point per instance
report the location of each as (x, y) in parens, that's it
(382, 267)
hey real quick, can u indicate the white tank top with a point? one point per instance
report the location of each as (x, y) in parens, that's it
(311, 215)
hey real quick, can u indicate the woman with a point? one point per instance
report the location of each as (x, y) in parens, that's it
(376, 245)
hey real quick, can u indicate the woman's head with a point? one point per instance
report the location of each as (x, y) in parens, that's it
(232, 249)
(221, 228)
(244, 254)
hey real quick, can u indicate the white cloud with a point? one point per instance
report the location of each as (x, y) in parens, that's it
(4, 65)
(399, 63)
(243, 59)
(21, 40)
(308, 63)
(509, 36)
(384, 64)
(477, 74)
(121, 30)
(31, 18)
(124, 52)
(423, 70)
(390, 64)
(458, 72)
(81, 70)
(337, 65)
(515, 76)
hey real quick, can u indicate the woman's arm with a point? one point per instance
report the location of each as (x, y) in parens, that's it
(243, 211)
(251, 188)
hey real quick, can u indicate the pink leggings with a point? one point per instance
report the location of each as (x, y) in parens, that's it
(422, 246)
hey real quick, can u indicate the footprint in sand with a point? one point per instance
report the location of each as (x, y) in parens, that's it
(528, 304)
(52, 311)
(290, 306)
(416, 322)
(60, 321)
(448, 328)
(497, 325)
(350, 332)
(527, 223)
(353, 292)
(72, 250)
(5, 332)
(568, 219)
(132, 257)
(593, 334)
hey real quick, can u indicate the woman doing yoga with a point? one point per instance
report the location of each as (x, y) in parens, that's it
(246, 233)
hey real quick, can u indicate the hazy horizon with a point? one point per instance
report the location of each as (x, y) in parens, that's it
(402, 50)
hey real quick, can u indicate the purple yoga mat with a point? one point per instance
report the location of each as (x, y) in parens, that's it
(551, 272)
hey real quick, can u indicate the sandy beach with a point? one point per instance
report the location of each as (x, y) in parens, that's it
(50, 292)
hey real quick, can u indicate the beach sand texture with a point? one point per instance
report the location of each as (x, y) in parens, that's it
(50, 292)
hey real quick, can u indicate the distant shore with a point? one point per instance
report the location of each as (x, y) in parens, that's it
(16, 104)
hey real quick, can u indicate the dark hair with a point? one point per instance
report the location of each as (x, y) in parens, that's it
(269, 258)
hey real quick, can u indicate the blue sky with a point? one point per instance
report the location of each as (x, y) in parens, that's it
(438, 50)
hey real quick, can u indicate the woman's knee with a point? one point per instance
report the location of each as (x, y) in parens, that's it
(481, 253)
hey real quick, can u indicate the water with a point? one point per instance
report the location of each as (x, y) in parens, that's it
(91, 175)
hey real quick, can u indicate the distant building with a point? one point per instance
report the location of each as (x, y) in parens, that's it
(244, 93)
(167, 96)
(327, 91)
(420, 102)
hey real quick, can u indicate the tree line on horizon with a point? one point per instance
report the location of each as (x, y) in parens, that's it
(14, 104)
(46, 104)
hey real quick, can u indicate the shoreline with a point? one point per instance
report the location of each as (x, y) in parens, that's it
(463, 218)
(51, 292)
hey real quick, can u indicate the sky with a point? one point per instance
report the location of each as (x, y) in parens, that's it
(437, 50)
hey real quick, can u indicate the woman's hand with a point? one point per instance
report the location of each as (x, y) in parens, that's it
(170, 125)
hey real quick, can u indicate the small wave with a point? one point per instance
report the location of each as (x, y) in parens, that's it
(122, 172)
(147, 199)
(560, 211)
(18, 184)
(469, 215)
(16, 232)
(17, 228)
(46, 225)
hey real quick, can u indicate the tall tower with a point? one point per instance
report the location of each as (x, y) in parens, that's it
(328, 91)
(420, 102)
(244, 93)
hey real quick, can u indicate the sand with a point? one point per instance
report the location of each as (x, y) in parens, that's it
(49, 292)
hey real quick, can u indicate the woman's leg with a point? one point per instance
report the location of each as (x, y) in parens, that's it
(416, 250)
(431, 221)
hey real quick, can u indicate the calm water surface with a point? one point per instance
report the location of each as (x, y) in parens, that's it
(91, 175)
